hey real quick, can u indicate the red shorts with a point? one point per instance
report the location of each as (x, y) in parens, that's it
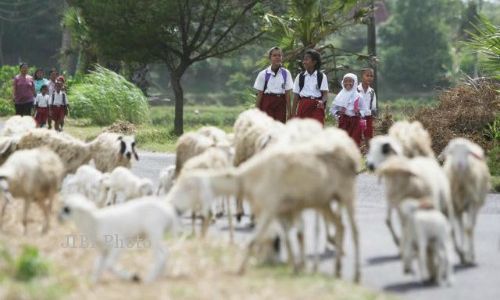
(274, 106)
(308, 108)
(351, 125)
(57, 113)
(42, 115)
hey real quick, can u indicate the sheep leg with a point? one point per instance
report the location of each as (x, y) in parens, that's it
(115, 269)
(288, 245)
(160, 254)
(422, 256)
(458, 235)
(388, 221)
(262, 226)
(100, 265)
(239, 208)
(4, 206)
(316, 246)
(302, 250)
(230, 221)
(355, 240)
(469, 232)
(46, 208)
(27, 203)
(339, 237)
(193, 221)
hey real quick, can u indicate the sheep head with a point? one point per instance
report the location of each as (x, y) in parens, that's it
(381, 148)
(75, 207)
(127, 147)
(458, 151)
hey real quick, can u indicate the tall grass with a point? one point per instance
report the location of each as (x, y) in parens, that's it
(105, 96)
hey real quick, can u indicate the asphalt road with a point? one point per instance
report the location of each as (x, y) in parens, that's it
(381, 267)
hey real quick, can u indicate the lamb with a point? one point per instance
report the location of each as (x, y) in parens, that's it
(166, 180)
(123, 181)
(110, 150)
(34, 175)
(408, 178)
(17, 125)
(428, 230)
(414, 139)
(189, 145)
(469, 176)
(89, 182)
(122, 224)
(282, 181)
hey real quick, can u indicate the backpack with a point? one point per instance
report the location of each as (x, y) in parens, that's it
(268, 75)
(302, 77)
(64, 102)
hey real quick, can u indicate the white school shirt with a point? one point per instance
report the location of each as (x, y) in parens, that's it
(42, 100)
(366, 98)
(58, 98)
(51, 86)
(276, 83)
(310, 88)
(349, 108)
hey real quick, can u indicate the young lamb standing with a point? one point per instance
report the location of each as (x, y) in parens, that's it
(166, 180)
(466, 167)
(34, 175)
(104, 227)
(426, 227)
(123, 181)
(89, 182)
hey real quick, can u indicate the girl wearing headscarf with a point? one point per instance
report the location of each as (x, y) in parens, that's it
(348, 109)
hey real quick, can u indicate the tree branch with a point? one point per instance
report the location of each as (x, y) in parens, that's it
(219, 53)
(210, 26)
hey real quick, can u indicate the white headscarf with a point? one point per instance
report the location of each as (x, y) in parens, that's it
(345, 97)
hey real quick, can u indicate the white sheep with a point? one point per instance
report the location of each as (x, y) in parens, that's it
(111, 150)
(189, 145)
(110, 227)
(282, 181)
(414, 139)
(17, 125)
(408, 178)
(89, 182)
(428, 230)
(7, 146)
(466, 167)
(122, 181)
(166, 180)
(35, 176)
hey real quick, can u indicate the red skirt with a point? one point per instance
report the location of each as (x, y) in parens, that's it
(308, 108)
(369, 128)
(274, 106)
(42, 115)
(351, 125)
(57, 113)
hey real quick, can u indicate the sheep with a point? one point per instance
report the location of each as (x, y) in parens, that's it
(89, 182)
(282, 181)
(34, 175)
(122, 224)
(165, 180)
(428, 230)
(7, 146)
(189, 145)
(469, 176)
(123, 181)
(414, 139)
(17, 125)
(110, 150)
(72, 151)
(408, 178)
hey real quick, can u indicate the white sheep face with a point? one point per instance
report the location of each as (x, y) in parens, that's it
(127, 147)
(73, 205)
(381, 148)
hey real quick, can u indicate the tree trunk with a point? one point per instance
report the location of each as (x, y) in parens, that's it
(175, 81)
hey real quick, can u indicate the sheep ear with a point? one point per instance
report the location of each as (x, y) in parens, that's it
(7, 145)
(120, 137)
(387, 149)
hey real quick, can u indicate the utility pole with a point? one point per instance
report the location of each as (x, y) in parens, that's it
(372, 41)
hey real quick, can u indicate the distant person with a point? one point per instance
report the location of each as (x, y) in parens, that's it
(369, 97)
(274, 85)
(58, 106)
(38, 78)
(42, 102)
(23, 91)
(349, 109)
(53, 74)
(310, 89)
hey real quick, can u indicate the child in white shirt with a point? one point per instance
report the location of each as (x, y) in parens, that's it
(58, 106)
(369, 97)
(42, 102)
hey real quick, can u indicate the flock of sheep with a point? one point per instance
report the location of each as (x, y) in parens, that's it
(278, 169)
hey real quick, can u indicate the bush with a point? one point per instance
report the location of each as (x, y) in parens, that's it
(464, 111)
(30, 265)
(105, 97)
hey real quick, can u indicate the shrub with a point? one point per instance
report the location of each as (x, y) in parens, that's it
(30, 265)
(105, 97)
(464, 111)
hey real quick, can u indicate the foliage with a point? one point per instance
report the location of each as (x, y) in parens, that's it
(467, 110)
(416, 45)
(486, 41)
(105, 97)
(30, 265)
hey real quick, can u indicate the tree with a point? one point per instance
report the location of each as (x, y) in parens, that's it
(416, 44)
(176, 32)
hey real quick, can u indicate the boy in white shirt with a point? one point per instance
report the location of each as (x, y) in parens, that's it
(58, 106)
(42, 101)
(369, 97)
(310, 89)
(274, 85)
